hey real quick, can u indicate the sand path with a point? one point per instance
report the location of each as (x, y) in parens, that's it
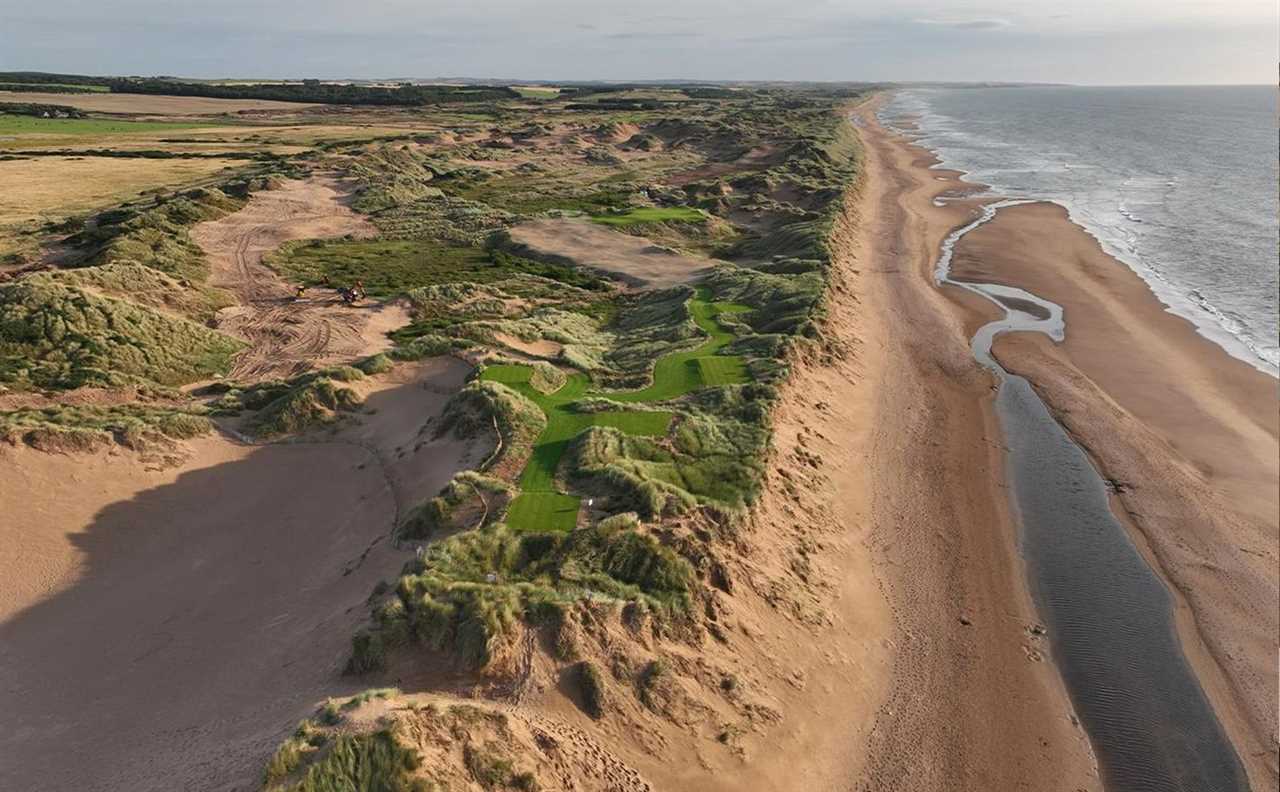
(286, 336)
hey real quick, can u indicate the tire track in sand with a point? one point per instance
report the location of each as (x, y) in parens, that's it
(287, 337)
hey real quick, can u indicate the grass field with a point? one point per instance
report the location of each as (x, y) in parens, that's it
(51, 187)
(536, 92)
(540, 507)
(18, 87)
(85, 127)
(652, 214)
(387, 266)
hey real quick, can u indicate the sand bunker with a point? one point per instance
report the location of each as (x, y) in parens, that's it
(632, 259)
(163, 629)
(288, 337)
(542, 348)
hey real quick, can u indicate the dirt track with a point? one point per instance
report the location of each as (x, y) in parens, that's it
(286, 336)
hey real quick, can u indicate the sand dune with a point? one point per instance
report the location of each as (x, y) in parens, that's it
(164, 628)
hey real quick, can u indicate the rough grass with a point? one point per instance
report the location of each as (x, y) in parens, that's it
(69, 427)
(390, 267)
(682, 372)
(375, 762)
(158, 235)
(466, 594)
(307, 402)
(58, 337)
(53, 188)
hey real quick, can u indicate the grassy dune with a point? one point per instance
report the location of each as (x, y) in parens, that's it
(540, 507)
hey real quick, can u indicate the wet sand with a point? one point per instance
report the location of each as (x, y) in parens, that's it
(1189, 434)
(973, 700)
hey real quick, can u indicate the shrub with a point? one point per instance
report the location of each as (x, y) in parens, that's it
(591, 684)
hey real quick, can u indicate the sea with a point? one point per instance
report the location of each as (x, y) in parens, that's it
(1181, 184)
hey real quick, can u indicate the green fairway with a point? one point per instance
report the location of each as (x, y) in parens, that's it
(550, 511)
(540, 507)
(684, 372)
(18, 125)
(652, 214)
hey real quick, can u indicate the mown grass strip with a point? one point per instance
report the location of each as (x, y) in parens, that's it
(540, 506)
(652, 214)
(679, 373)
(553, 511)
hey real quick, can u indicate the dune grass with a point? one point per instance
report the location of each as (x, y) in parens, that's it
(540, 506)
(684, 372)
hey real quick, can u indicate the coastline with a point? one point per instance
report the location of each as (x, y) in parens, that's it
(1187, 430)
(971, 702)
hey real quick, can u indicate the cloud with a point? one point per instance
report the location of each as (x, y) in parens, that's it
(967, 24)
(654, 35)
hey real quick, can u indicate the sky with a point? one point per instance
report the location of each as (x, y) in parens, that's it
(1081, 41)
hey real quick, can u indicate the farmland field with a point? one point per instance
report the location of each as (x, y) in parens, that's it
(51, 187)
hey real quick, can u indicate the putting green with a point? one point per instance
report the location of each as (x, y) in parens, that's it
(540, 507)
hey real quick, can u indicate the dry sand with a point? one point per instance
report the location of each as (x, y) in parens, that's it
(973, 701)
(1189, 432)
(163, 628)
(287, 336)
(632, 259)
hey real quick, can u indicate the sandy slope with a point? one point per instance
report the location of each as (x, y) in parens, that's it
(1191, 434)
(183, 619)
(633, 259)
(166, 618)
(287, 337)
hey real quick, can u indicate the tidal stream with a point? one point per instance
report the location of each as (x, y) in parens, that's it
(1109, 616)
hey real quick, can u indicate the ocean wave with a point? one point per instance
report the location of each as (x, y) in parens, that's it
(1136, 214)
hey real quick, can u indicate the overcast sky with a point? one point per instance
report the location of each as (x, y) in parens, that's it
(1081, 41)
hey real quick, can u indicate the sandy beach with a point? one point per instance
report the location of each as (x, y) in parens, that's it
(1187, 431)
(972, 701)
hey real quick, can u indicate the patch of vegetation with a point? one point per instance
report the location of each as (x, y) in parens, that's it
(59, 337)
(317, 92)
(73, 427)
(592, 687)
(391, 267)
(140, 284)
(469, 496)
(158, 235)
(563, 424)
(493, 769)
(375, 762)
(289, 407)
(85, 127)
(38, 110)
(652, 214)
(465, 594)
(541, 507)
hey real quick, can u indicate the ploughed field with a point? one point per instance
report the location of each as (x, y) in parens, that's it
(620, 276)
